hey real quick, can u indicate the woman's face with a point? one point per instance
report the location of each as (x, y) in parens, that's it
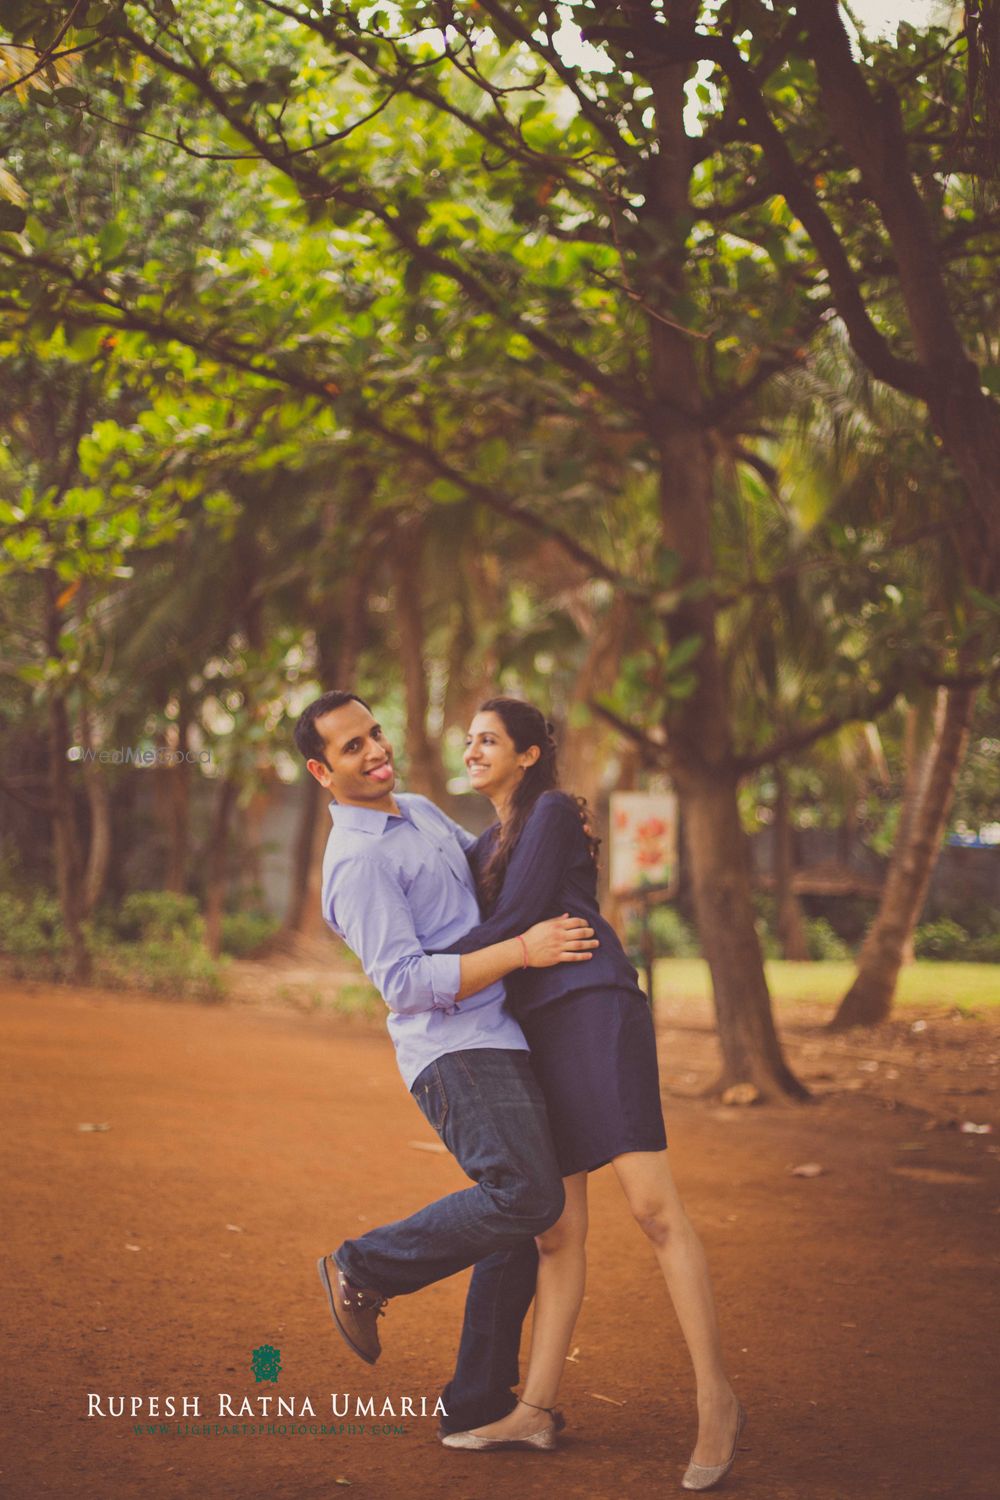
(493, 761)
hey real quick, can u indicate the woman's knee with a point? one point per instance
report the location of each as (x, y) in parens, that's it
(569, 1229)
(658, 1219)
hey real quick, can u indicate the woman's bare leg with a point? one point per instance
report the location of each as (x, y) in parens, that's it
(652, 1196)
(562, 1274)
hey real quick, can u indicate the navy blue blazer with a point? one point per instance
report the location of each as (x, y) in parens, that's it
(551, 871)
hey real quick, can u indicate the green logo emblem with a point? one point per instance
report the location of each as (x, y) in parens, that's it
(266, 1363)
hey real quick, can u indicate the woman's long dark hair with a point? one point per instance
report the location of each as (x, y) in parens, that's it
(526, 726)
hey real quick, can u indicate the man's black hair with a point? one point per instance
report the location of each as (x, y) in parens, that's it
(307, 736)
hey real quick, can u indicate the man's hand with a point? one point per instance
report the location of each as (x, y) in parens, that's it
(560, 940)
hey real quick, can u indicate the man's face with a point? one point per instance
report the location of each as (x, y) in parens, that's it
(359, 772)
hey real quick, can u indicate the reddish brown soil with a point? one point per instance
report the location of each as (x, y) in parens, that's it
(859, 1306)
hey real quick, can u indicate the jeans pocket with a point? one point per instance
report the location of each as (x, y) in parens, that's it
(431, 1097)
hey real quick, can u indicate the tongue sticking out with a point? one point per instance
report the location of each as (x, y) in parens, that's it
(381, 773)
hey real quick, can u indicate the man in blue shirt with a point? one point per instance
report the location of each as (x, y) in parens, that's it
(396, 884)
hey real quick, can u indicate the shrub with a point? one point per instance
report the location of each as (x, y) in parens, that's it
(360, 999)
(943, 939)
(157, 914)
(672, 937)
(176, 965)
(243, 932)
(32, 938)
(153, 942)
(823, 942)
(984, 949)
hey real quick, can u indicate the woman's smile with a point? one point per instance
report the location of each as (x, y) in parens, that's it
(491, 758)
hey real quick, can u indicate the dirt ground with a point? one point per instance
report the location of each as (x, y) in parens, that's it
(153, 1255)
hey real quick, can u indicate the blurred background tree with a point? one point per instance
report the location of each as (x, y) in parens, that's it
(639, 359)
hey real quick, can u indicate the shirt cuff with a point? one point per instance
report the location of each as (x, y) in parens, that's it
(446, 979)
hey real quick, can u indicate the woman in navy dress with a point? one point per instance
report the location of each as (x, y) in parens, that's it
(594, 1049)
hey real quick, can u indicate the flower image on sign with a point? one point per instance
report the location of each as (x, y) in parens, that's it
(643, 840)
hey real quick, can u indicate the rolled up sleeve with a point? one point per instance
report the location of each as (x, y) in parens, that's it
(366, 904)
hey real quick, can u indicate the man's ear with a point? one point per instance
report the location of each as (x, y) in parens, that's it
(317, 769)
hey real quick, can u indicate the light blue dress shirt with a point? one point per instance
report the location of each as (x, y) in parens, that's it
(394, 887)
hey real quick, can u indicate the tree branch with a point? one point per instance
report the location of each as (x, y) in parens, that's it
(801, 739)
(242, 357)
(655, 753)
(315, 186)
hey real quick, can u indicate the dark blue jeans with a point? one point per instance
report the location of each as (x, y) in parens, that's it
(500, 1293)
(488, 1109)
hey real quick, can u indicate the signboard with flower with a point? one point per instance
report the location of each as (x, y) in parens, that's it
(643, 840)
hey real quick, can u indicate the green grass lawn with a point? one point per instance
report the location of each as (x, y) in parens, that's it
(967, 986)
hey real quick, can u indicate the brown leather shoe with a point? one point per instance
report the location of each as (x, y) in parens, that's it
(356, 1310)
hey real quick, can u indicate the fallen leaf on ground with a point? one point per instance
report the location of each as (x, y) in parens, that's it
(932, 1174)
(236, 1228)
(104, 1125)
(809, 1169)
(741, 1093)
(133, 1247)
(428, 1146)
(609, 1399)
(572, 1357)
(969, 1127)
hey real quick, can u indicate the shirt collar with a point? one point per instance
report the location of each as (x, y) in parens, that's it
(359, 819)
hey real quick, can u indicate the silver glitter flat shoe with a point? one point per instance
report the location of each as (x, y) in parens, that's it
(558, 1425)
(705, 1477)
(544, 1441)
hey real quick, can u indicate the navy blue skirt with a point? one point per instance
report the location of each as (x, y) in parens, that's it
(594, 1053)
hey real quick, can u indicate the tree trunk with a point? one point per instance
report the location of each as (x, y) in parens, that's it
(790, 922)
(927, 800)
(99, 803)
(99, 849)
(307, 834)
(65, 837)
(719, 861)
(175, 787)
(339, 643)
(584, 750)
(425, 769)
(699, 738)
(215, 863)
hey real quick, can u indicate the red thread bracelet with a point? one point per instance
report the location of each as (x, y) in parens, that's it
(524, 950)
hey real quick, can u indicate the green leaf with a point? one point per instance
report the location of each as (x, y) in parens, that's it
(666, 566)
(445, 492)
(682, 653)
(988, 602)
(112, 241)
